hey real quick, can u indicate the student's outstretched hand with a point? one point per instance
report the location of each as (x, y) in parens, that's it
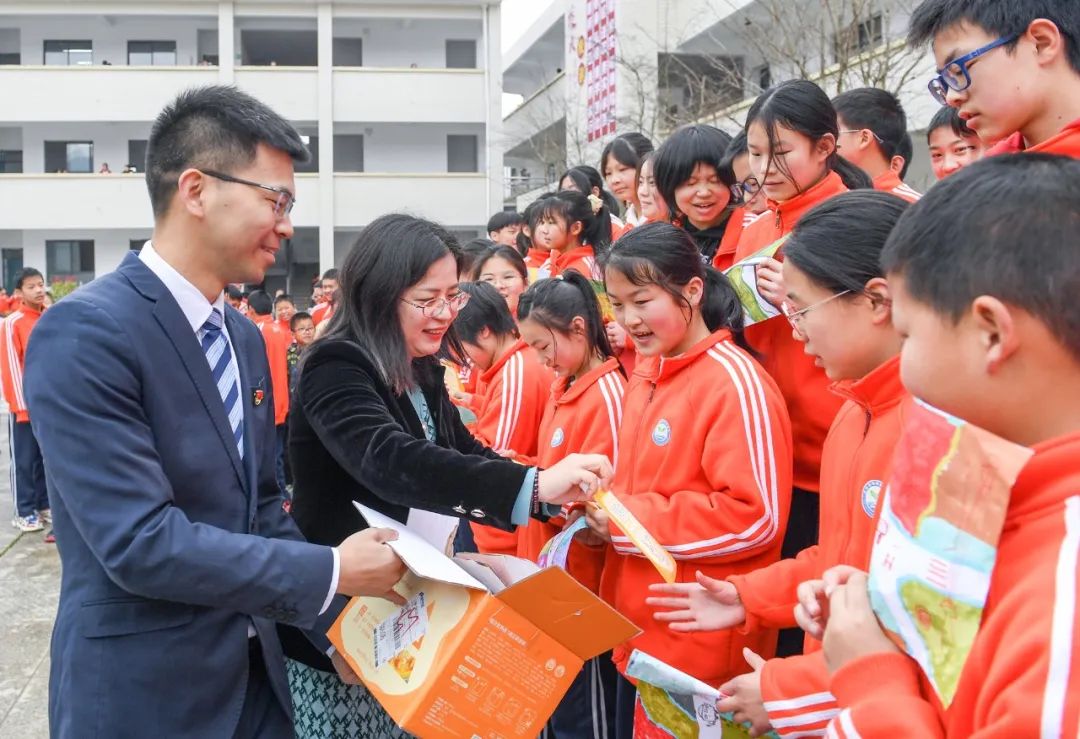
(742, 696)
(770, 281)
(853, 630)
(705, 605)
(597, 518)
(576, 477)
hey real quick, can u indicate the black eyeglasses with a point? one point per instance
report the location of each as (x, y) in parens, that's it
(956, 76)
(283, 204)
(745, 190)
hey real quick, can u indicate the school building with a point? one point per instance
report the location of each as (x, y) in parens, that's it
(586, 69)
(397, 101)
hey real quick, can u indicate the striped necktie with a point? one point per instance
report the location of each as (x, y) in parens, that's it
(215, 346)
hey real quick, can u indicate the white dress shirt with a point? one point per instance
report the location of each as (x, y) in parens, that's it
(196, 309)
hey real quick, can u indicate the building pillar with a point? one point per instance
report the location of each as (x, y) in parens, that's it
(326, 135)
(493, 107)
(226, 43)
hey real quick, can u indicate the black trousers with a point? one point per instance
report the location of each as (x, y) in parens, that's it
(802, 532)
(27, 469)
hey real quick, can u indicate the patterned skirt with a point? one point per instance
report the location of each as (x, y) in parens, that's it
(326, 708)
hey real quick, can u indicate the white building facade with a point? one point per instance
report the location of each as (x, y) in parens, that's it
(399, 103)
(690, 60)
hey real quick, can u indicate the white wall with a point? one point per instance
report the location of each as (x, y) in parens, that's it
(402, 42)
(110, 245)
(410, 147)
(109, 34)
(110, 142)
(11, 138)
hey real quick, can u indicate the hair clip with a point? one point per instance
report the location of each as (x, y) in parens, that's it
(596, 202)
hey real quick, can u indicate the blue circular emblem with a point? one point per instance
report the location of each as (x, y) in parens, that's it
(557, 438)
(661, 435)
(871, 491)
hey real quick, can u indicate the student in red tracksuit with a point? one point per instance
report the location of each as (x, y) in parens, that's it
(277, 343)
(329, 286)
(511, 392)
(991, 337)
(27, 467)
(746, 192)
(791, 134)
(872, 124)
(560, 319)
(693, 181)
(284, 310)
(704, 450)
(504, 269)
(838, 304)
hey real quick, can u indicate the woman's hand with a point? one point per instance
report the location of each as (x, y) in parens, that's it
(576, 477)
(770, 281)
(742, 697)
(853, 630)
(617, 336)
(586, 536)
(462, 399)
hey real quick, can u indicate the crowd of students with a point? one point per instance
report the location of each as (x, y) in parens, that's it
(757, 454)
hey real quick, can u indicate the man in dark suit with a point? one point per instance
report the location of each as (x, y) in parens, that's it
(152, 402)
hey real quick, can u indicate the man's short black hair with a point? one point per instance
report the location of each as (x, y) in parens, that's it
(998, 18)
(875, 109)
(949, 117)
(234, 293)
(260, 303)
(25, 274)
(970, 235)
(216, 127)
(503, 219)
(297, 317)
(283, 298)
(330, 274)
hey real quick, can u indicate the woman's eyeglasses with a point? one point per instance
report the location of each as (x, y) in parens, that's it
(435, 306)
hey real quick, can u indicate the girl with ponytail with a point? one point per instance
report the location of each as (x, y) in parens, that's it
(704, 452)
(791, 136)
(560, 319)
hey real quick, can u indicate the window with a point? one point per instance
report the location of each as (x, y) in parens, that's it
(137, 154)
(11, 161)
(860, 36)
(764, 77)
(462, 153)
(70, 260)
(12, 260)
(137, 244)
(10, 58)
(69, 53)
(152, 53)
(348, 52)
(460, 54)
(349, 153)
(69, 156)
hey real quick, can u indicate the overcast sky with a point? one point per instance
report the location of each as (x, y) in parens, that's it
(517, 15)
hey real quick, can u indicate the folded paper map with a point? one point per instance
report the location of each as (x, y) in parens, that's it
(936, 541)
(676, 705)
(743, 277)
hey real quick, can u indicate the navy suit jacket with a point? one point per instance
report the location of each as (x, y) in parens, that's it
(171, 544)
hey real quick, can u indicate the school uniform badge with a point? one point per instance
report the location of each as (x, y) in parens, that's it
(661, 434)
(871, 492)
(557, 438)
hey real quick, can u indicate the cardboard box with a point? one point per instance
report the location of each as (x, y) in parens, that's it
(485, 649)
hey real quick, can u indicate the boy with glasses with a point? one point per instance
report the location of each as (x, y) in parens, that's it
(872, 127)
(1011, 68)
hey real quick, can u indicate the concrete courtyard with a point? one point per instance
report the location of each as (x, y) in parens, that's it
(29, 587)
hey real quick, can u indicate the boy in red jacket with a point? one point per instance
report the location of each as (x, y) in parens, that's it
(1011, 68)
(277, 342)
(873, 126)
(27, 467)
(992, 335)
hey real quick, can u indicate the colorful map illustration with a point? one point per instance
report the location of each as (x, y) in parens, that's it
(937, 537)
